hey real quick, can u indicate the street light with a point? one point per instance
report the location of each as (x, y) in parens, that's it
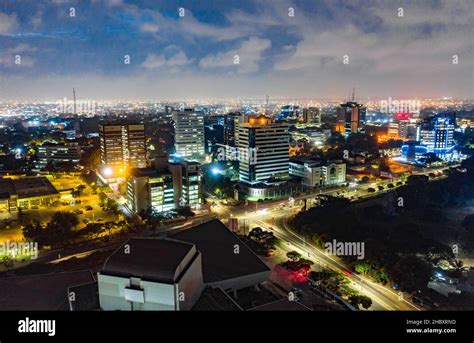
(107, 171)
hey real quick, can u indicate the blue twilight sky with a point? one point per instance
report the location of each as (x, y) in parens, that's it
(192, 56)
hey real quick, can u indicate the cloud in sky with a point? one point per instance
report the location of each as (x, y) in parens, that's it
(244, 59)
(15, 57)
(154, 61)
(7, 22)
(150, 27)
(300, 56)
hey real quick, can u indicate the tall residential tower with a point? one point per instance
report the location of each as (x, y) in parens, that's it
(189, 134)
(263, 149)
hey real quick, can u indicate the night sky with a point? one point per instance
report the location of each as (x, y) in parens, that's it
(193, 56)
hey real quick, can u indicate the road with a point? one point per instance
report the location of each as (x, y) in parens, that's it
(274, 215)
(383, 298)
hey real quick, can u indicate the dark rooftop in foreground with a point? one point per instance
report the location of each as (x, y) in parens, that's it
(152, 259)
(217, 244)
(282, 305)
(215, 299)
(44, 292)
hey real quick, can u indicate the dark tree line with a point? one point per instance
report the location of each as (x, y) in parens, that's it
(396, 229)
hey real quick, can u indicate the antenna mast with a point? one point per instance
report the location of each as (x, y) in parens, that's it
(74, 96)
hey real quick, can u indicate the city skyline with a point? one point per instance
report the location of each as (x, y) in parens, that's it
(155, 50)
(254, 156)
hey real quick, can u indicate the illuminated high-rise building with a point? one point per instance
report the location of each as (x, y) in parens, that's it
(311, 115)
(122, 147)
(351, 117)
(437, 134)
(189, 134)
(263, 150)
(289, 112)
(148, 188)
(187, 183)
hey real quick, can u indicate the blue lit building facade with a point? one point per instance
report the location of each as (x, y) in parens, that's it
(436, 136)
(289, 112)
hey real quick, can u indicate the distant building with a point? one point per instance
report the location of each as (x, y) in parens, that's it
(289, 112)
(408, 130)
(315, 135)
(122, 147)
(437, 134)
(58, 153)
(413, 150)
(351, 118)
(187, 183)
(311, 115)
(149, 188)
(231, 121)
(178, 184)
(231, 127)
(189, 134)
(267, 144)
(393, 130)
(318, 173)
(214, 137)
(26, 193)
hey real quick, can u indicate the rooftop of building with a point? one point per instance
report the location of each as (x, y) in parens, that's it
(45, 292)
(53, 144)
(282, 305)
(217, 245)
(185, 162)
(151, 259)
(215, 299)
(314, 162)
(121, 122)
(27, 187)
(148, 172)
(351, 104)
(261, 121)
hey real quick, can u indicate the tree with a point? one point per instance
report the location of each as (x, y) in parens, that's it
(185, 212)
(306, 261)
(7, 261)
(468, 222)
(93, 229)
(102, 198)
(360, 300)
(293, 256)
(32, 230)
(417, 180)
(362, 268)
(112, 206)
(255, 233)
(59, 229)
